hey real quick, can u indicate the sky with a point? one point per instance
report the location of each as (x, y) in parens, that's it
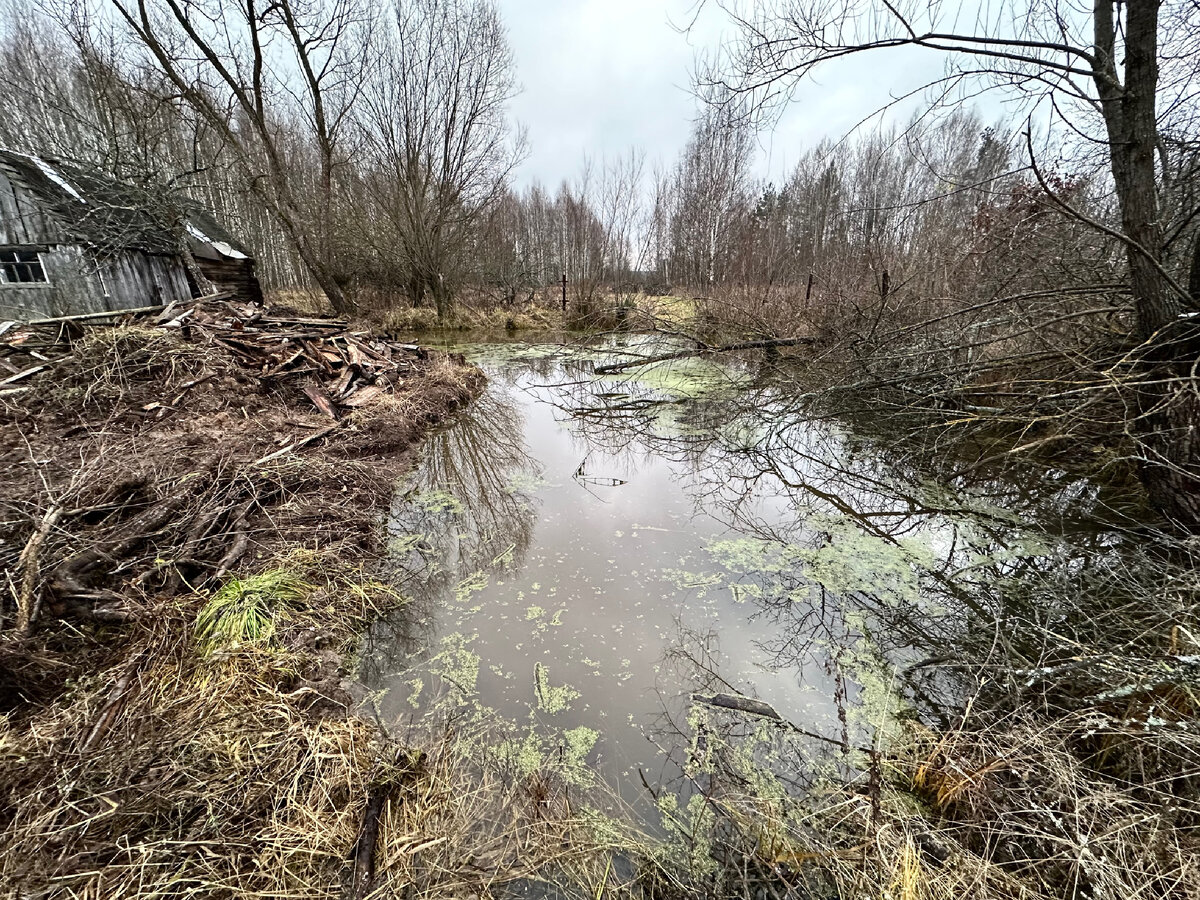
(601, 76)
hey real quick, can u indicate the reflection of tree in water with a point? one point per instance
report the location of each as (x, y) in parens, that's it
(1022, 567)
(1050, 639)
(481, 462)
(464, 510)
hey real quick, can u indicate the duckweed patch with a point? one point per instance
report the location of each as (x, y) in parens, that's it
(690, 378)
(435, 502)
(551, 698)
(457, 665)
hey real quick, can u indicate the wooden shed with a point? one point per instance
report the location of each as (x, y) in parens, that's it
(74, 242)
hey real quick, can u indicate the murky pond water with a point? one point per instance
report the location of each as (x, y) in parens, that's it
(594, 559)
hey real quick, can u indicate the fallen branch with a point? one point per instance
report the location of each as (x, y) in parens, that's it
(740, 704)
(364, 848)
(362, 853)
(109, 714)
(241, 540)
(69, 575)
(614, 368)
(316, 435)
(28, 564)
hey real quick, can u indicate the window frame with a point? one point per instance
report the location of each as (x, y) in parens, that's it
(34, 267)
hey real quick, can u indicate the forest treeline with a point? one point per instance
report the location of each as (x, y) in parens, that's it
(366, 150)
(1005, 272)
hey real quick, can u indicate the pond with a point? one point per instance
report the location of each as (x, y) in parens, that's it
(623, 567)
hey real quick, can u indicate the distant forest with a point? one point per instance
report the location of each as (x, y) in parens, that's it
(365, 149)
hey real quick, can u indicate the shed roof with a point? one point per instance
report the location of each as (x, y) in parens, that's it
(113, 215)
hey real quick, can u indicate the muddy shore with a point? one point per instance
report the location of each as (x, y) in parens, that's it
(191, 516)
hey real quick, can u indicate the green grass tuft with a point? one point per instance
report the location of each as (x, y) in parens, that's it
(244, 610)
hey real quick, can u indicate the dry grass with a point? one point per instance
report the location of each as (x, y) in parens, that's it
(180, 771)
(400, 318)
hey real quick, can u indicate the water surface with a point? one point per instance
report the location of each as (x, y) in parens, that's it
(588, 556)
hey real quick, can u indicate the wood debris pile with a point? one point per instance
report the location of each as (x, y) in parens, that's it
(342, 369)
(148, 460)
(338, 368)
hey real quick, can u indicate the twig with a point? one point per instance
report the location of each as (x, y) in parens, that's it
(109, 714)
(316, 435)
(240, 542)
(28, 564)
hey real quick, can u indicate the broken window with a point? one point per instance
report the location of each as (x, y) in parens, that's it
(19, 266)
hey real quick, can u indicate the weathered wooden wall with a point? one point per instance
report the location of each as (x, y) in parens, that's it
(78, 283)
(233, 275)
(22, 219)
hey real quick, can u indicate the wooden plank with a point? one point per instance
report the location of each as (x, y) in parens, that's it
(363, 395)
(105, 314)
(12, 379)
(134, 310)
(321, 400)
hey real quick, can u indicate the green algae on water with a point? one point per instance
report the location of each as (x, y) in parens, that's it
(552, 699)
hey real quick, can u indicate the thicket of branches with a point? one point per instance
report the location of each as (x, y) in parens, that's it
(1044, 280)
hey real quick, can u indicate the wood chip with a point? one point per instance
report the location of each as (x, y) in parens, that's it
(364, 395)
(321, 400)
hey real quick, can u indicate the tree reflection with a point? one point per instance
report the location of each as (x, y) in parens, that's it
(465, 509)
(895, 587)
(1025, 566)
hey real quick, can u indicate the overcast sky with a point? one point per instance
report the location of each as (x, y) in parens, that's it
(600, 76)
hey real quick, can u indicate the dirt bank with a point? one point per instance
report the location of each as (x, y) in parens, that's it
(153, 458)
(192, 504)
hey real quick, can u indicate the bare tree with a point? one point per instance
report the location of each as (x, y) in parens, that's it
(711, 193)
(274, 80)
(435, 127)
(1100, 73)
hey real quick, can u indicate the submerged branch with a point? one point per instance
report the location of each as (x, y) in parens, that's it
(768, 344)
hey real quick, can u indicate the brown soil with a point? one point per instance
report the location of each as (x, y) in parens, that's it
(148, 462)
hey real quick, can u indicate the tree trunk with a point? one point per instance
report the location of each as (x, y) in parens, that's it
(1194, 280)
(416, 290)
(1168, 410)
(314, 262)
(441, 297)
(1131, 122)
(324, 279)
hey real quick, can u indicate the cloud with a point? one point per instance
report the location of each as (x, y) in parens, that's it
(602, 76)
(599, 76)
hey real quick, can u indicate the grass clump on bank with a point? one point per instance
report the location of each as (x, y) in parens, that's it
(245, 610)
